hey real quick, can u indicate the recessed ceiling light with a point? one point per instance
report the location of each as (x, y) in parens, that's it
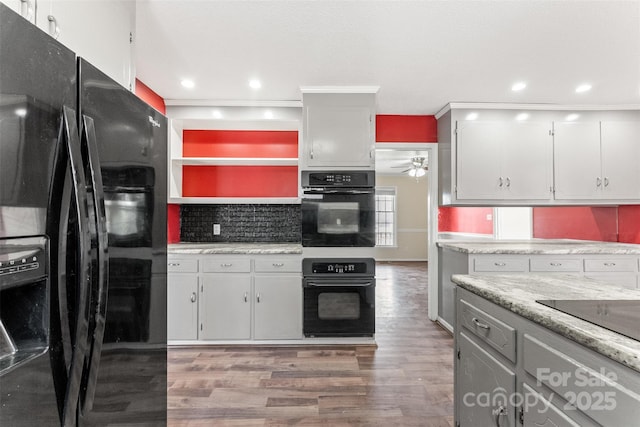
(21, 112)
(255, 84)
(518, 86)
(268, 115)
(471, 116)
(217, 114)
(188, 83)
(585, 87)
(572, 117)
(522, 116)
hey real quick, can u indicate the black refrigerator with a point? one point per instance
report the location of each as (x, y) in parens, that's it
(83, 182)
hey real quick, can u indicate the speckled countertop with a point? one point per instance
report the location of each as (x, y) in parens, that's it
(540, 247)
(518, 293)
(234, 248)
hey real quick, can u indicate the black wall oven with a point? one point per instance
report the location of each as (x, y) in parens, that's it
(338, 209)
(339, 297)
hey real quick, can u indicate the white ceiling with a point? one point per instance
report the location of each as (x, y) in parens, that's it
(422, 54)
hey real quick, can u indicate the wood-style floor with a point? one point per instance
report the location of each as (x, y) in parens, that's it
(407, 380)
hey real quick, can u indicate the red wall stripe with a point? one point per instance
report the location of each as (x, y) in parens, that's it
(173, 223)
(579, 222)
(240, 181)
(150, 97)
(398, 128)
(465, 220)
(244, 143)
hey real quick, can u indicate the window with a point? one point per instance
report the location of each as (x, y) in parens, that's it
(385, 216)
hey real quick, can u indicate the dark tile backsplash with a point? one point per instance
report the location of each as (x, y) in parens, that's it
(240, 223)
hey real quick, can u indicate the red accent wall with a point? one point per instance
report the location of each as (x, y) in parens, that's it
(240, 143)
(629, 224)
(173, 223)
(465, 220)
(150, 97)
(579, 222)
(397, 128)
(240, 181)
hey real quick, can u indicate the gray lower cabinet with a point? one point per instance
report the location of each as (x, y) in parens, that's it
(225, 307)
(234, 297)
(510, 371)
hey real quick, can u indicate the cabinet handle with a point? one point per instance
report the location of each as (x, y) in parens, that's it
(174, 264)
(226, 264)
(193, 297)
(479, 324)
(26, 10)
(278, 264)
(610, 264)
(555, 264)
(508, 182)
(246, 297)
(500, 182)
(54, 30)
(500, 411)
(598, 182)
(258, 298)
(311, 154)
(606, 181)
(499, 264)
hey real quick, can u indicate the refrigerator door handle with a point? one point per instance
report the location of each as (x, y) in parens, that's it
(99, 300)
(69, 412)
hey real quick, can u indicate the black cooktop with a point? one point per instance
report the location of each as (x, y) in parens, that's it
(621, 316)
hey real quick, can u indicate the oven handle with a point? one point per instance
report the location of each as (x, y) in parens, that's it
(341, 284)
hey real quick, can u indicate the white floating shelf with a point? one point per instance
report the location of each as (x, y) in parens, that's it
(235, 161)
(235, 200)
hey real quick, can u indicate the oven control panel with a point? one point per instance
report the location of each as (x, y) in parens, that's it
(333, 267)
(338, 179)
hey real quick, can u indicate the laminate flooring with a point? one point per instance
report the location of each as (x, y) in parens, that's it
(406, 380)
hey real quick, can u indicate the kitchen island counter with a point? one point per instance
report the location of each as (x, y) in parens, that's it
(234, 248)
(518, 294)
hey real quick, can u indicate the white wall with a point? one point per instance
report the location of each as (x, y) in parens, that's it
(412, 231)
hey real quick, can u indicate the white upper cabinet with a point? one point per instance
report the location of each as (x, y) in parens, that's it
(503, 160)
(522, 155)
(100, 31)
(338, 128)
(597, 160)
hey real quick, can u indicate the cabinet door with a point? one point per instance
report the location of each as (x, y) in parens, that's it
(538, 411)
(339, 136)
(576, 151)
(620, 147)
(182, 306)
(484, 387)
(527, 161)
(278, 307)
(478, 154)
(225, 307)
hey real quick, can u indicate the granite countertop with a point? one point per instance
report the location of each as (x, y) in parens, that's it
(518, 293)
(234, 248)
(541, 247)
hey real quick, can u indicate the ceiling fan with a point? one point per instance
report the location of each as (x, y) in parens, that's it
(418, 167)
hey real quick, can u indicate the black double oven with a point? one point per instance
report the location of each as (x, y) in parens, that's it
(338, 237)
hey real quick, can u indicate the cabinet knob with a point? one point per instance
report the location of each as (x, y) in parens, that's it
(193, 297)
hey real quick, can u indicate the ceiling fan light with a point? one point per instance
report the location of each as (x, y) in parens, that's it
(419, 172)
(412, 172)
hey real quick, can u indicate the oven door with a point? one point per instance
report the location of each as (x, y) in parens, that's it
(344, 217)
(339, 308)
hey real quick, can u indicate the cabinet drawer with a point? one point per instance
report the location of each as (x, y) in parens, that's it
(495, 333)
(496, 264)
(278, 265)
(559, 265)
(540, 412)
(182, 265)
(226, 265)
(606, 265)
(594, 390)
